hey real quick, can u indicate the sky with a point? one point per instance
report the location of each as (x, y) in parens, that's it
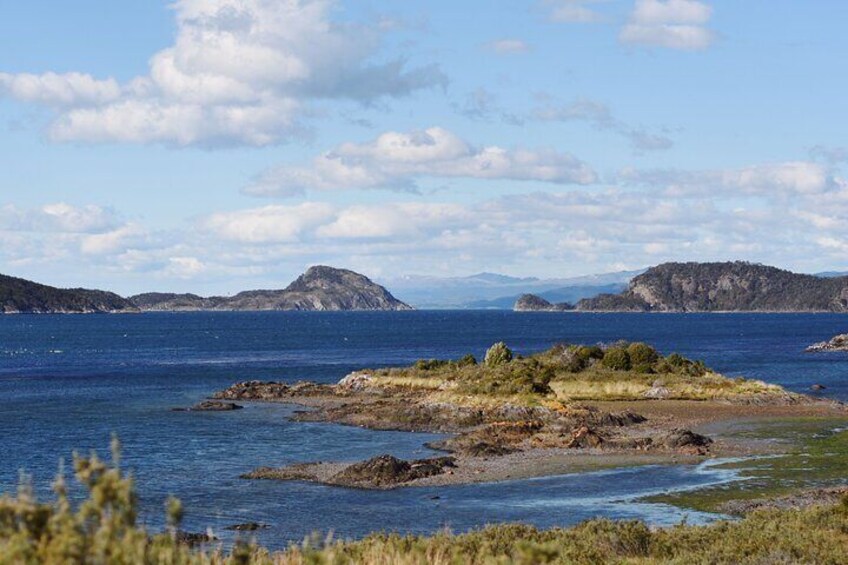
(218, 145)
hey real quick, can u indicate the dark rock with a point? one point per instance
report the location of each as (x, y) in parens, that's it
(254, 390)
(212, 406)
(193, 538)
(386, 470)
(817, 387)
(247, 527)
(680, 438)
(584, 437)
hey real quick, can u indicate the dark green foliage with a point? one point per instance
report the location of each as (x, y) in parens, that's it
(676, 363)
(528, 377)
(467, 360)
(617, 359)
(19, 295)
(430, 364)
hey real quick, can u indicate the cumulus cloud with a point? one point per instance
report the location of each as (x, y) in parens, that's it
(601, 117)
(508, 46)
(573, 11)
(672, 24)
(396, 160)
(239, 72)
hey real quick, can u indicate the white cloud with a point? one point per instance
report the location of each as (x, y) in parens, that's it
(57, 218)
(112, 241)
(239, 72)
(601, 117)
(772, 179)
(276, 224)
(395, 160)
(573, 11)
(673, 24)
(508, 46)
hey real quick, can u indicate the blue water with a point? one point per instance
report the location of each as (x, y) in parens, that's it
(68, 382)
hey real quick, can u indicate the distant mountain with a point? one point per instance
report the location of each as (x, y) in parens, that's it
(533, 303)
(832, 274)
(737, 286)
(320, 288)
(19, 296)
(489, 290)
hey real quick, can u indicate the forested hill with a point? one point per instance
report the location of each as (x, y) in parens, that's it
(718, 287)
(23, 296)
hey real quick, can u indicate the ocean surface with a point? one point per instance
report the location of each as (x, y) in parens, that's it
(68, 382)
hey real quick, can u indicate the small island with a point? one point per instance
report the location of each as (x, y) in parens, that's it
(568, 409)
(836, 343)
(534, 303)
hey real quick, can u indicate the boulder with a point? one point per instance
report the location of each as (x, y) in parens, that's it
(680, 438)
(356, 381)
(584, 437)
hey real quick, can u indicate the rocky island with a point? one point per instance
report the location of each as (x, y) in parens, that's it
(724, 287)
(836, 343)
(567, 409)
(534, 303)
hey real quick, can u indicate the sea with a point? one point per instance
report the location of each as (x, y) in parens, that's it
(69, 382)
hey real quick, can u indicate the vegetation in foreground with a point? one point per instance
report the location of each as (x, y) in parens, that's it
(102, 529)
(617, 371)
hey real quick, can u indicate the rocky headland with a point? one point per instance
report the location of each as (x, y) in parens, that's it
(20, 296)
(724, 287)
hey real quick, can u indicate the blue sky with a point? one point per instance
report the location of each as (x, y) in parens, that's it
(217, 145)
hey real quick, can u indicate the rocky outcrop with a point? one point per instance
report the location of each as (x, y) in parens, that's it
(20, 296)
(387, 471)
(211, 406)
(533, 303)
(804, 499)
(717, 287)
(837, 343)
(319, 288)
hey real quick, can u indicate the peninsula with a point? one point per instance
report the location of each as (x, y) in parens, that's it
(567, 409)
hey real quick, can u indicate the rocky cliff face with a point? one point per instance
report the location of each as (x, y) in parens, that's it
(533, 303)
(19, 296)
(715, 287)
(320, 288)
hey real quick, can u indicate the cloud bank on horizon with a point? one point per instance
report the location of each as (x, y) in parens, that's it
(241, 140)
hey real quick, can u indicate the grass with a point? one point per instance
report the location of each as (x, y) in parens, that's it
(818, 457)
(102, 529)
(620, 371)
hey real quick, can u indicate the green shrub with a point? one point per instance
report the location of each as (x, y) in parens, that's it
(617, 359)
(589, 352)
(430, 364)
(498, 354)
(643, 357)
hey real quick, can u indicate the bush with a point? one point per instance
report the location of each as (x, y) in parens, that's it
(430, 364)
(589, 352)
(643, 357)
(467, 361)
(498, 354)
(617, 359)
